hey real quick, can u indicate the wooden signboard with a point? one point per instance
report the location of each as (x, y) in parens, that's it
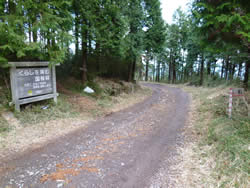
(31, 82)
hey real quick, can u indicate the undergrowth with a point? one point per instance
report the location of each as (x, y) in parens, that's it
(228, 138)
(4, 97)
(46, 110)
(4, 126)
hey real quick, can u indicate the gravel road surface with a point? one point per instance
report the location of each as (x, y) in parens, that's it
(125, 149)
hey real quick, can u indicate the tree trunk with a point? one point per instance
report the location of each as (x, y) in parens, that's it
(29, 31)
(98, 48)
(227, 68)
(146, 74)
(89, 40)
(208, 67)
(185, 74)
(131, 75)
(191, 71)
(202, 70)
(233, 67)
(140, 69)
(154, 70)
(48, 40)
(84, 54)
(199, 69)
(239, 69)
(174, 72)
(230, 67)
(34, 30)
(163, 71)
(140, 74)
(222, 69)
(170, 68)
(77, 25)
(129, 78)
(182, 72)
(133, 69)
(158, 71)
(214, 68)
(174, 68)
(246, 76)
(170, 71)
(53, 40)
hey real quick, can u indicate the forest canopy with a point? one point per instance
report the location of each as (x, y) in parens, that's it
(129, 39)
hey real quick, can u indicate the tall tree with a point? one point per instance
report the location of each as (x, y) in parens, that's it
(155, 34)
(226, 21)
(135, 36)
(48, 22)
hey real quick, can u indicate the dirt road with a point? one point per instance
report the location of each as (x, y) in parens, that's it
(124, 149)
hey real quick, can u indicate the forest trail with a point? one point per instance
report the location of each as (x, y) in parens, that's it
(123, 149)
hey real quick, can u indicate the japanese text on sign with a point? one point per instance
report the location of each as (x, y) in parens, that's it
(34, 81)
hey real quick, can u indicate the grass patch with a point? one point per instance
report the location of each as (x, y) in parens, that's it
(105, 102)
(228, 139)
(96, 104)
(4, 97)
(35, 112)
(4, 126)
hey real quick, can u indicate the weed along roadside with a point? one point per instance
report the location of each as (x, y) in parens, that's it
(40, 122)
(218, 147)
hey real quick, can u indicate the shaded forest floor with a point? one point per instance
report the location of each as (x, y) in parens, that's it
(41, 122)
(217, 150)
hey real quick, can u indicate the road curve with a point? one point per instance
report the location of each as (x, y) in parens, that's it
(124, 149)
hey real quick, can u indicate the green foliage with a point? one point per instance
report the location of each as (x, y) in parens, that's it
(230, 139)
(34, 31)
(156, 30)
(134, 39)
(209, 46)
(117, 31)
(220, 19)
(224, 140)
(31, 31)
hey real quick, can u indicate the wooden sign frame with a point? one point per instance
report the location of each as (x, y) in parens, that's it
(15, 88)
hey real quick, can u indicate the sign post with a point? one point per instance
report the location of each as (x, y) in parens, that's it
(31, 82)
(230, 103)
(236, 92)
